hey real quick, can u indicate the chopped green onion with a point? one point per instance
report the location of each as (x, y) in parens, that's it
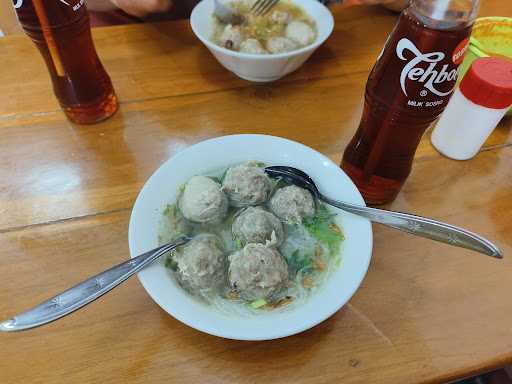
(238, 243)
(323, 227)
(171, 263)
(258, 303)
(168, 209)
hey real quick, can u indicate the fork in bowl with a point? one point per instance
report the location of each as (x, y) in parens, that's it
(262, 7)
(228, 15)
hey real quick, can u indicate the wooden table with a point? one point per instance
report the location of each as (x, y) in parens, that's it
(425, 312)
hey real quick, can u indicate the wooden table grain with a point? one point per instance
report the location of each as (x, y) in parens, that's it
(424, 313)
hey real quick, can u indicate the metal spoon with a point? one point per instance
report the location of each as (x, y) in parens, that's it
(85, 292)
(416, 225)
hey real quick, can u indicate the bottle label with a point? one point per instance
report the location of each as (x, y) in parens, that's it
(433, 76)
(78, 4)
(460, 51)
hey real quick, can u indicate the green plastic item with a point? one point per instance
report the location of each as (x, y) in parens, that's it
(491, 36)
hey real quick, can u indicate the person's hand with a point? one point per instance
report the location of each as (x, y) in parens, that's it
(141, 8)
(138, 8)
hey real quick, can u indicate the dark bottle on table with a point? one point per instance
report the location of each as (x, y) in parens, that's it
(408, 88)
(61, 30)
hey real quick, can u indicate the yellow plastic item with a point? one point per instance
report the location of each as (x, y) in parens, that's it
(492, 36)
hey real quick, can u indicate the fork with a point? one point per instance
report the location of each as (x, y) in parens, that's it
(227, 15)
(262, 7)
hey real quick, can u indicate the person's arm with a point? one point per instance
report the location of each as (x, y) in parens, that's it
(357, 2)
(141, 8)
(138, 8)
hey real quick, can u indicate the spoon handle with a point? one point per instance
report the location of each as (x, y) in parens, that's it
(421, 226)
(84, 292)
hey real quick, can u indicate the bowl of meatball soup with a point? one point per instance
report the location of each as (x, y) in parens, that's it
(265, 259)
(263, 48)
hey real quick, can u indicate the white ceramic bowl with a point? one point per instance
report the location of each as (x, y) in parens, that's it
(217, 153)
(261, 68)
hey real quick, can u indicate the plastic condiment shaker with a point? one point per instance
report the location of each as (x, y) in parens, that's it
(475, 109)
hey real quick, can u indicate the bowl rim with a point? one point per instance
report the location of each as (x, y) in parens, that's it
(483, 19)
(242, 55)
(277, 333)
(483, 22)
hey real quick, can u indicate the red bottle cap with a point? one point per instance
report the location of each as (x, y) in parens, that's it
(488, 83)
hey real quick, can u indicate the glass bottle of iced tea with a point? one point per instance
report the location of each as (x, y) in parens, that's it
(408, 88)
(61, 30)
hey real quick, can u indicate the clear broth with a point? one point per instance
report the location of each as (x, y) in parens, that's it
(312, 251)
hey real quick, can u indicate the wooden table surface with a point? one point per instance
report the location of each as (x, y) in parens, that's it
(425, 312)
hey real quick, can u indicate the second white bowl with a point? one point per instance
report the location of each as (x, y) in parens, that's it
(261, 68)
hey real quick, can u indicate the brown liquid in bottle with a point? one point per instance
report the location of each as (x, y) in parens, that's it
(80, 82)
(408, 88)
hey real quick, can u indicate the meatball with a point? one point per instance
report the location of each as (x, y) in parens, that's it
(252, 46)
(200, 264)
(257, 272)
(202, 200)
(256, 225)
(292, 204)
(246, 184)
(231, 37)
(300, 32)
(280, 44)
(280, 17)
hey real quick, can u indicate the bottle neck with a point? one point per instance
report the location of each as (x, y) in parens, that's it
(445, 14)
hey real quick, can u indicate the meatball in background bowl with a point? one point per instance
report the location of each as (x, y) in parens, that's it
(219, 153)
(261, 67)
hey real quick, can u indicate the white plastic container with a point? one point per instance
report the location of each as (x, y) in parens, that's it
(475, 109)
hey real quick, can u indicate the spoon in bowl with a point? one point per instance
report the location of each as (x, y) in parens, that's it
(416, 225)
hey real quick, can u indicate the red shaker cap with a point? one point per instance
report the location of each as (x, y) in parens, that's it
(488, 82)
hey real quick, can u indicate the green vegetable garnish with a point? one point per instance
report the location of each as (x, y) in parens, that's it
(221, 179)
(323, 227)
(170, 263)
(170, 209)
(258, 303)
(238, 243)
(299, 262)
